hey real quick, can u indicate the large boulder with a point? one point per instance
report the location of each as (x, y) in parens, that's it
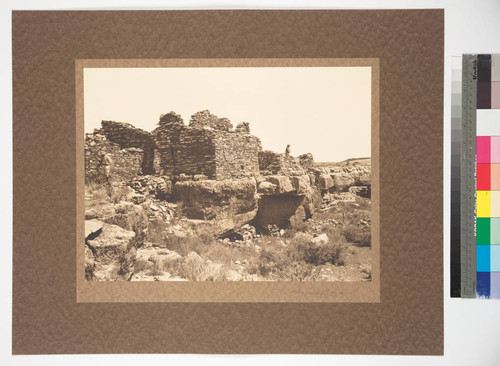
(343, 181)
(325, 182)
(301, 184)
(110, 251)
(283, 184)
(320, 239)
(93, 228)
(287, 199)
(210, 199)
(266, 188)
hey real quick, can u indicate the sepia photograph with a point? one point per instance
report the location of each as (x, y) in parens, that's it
(228, 173)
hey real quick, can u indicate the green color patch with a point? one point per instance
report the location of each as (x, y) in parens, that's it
(483, 231)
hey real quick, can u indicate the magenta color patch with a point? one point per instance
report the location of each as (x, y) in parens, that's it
(483, 149)
(495, 149)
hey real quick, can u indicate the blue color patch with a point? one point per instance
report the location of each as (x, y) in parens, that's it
(483, 284)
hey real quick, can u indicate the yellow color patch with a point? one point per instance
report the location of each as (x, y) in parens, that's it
(483, 203)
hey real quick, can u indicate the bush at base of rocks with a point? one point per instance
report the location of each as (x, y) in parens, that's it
(331, 248)
(359, 235)
(196, 268)
(282, 269)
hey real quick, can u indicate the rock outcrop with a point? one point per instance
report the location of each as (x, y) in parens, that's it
(109, 251)
(210, 199)
(341, 178)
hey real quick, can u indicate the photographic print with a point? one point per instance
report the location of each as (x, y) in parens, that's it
(232, 174)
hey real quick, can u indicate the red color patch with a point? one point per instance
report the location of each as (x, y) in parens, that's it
(483, 177)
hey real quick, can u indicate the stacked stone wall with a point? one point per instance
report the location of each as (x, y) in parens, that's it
(271, 163)
(185, 150)
(127, 163)
(128, 136)
(236, 155)
(306, 160)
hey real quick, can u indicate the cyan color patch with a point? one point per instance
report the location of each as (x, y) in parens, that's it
(495, 258)
(483, 258)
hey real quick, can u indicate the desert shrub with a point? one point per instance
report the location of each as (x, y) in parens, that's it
(89, 272)
(182, 244)
(203, 272)
(281, 265)
(196, 269)
(189, 243)
(287, 264)
(334, 251)
(220, 253)
(156, 230)
(156, 268)
(359, 235)
(198, 243)
(124, 267)
(206, 236)
(203, 244)
(141, 265)
(174, 266)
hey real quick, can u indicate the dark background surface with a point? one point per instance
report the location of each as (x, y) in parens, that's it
(409, 318)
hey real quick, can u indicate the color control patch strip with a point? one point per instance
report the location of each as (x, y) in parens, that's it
(479, 192)
(488, 176)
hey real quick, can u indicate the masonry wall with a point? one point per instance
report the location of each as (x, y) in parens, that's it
(271, 163)
(128, 136)
(179, 151)
(185, 150)
(127, 163)
(236, 155)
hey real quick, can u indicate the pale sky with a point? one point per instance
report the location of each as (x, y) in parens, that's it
(322, 110)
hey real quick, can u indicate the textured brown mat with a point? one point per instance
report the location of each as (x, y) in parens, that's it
(409, 317)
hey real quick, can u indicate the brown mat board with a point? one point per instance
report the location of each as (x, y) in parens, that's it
(409, 317)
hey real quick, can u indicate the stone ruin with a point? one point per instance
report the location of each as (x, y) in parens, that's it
(217, 172)
(178, 151)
